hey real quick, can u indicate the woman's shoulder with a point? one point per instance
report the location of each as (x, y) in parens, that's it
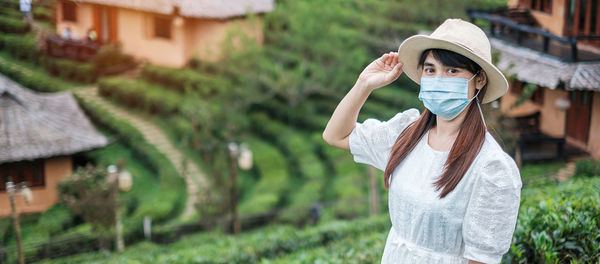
(392, 126)
(496, 166)
(402, 119)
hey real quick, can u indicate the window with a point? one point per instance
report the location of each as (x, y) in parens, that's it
(31, 172)
(516, 87)
(69, 11)
(542, 5)
(162, 27)
(538, 95)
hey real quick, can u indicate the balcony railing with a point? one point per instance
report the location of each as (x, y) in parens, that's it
(73, 49)
(498, 24)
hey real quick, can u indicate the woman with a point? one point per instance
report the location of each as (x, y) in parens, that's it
(453, 192)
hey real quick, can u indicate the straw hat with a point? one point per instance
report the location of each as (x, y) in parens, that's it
(463, 38)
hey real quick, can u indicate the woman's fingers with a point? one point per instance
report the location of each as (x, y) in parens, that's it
(395, 72)
(390, 59)
(386, 58)
(398, 68)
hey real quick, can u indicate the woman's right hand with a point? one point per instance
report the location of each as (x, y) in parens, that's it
(381, 71)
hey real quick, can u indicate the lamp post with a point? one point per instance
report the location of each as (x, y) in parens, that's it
(121, 181)
(242, 156)
(12, 190)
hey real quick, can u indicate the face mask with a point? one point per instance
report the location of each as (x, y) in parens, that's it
(445, 97)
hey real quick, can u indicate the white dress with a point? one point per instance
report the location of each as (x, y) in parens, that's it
(475, 221)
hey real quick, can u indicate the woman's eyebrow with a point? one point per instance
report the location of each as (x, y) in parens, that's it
(428, 64)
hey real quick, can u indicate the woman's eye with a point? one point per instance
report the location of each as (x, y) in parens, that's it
(429, 70)
(452, 70)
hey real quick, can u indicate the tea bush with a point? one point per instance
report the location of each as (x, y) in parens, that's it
(13, 25)
(13, 13)
(23, 47)
(183, 80)
(251, 247)
(42, 13)
(563, 228)
(587, 167)
(110, 60)
(274, 179)
(32, 79)
(71, 70)
(366, 248)
(141, 95)
(306, 169)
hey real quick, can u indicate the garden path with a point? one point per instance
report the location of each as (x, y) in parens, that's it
(196, 181)
(565, 173)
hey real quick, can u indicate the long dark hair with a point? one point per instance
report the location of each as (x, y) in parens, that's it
(470, 136)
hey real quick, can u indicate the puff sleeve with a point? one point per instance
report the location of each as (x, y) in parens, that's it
(371, 142)
(491, 214)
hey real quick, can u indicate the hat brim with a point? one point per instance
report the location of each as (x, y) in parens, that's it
(411, 49)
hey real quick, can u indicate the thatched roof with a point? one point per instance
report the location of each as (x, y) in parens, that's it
(194, 8)
(533, 66)
(39, 125)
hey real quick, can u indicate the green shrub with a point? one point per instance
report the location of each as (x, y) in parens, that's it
(55, 219)
(138, 94)
(251, 247)
(366, 248)
(19, 46)
(68, 69)
(183, 80)
(399, 97)
(564, 227)
(274, 180)
(13, 25)
(110, 60)
(42, 13)
(31, 79)
(587, 167)
(5, 229)
(11, 13)
(305, 167)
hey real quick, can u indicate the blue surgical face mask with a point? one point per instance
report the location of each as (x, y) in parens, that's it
(445, 97)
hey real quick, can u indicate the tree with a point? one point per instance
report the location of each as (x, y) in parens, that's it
(89, 195)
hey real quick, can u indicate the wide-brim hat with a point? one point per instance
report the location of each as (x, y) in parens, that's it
(463, 38)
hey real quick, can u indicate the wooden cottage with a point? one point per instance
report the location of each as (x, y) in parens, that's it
(551, 51)
(39, 133)
(164, 32)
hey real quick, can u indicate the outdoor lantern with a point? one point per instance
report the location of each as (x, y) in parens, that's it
(111, 169)
(125, 181)
(27, 195)
(562, 103)
(495, 104)
(178, 21)
(233, 149)
(245, 158)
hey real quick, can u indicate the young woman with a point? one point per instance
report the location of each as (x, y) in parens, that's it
(453, 192)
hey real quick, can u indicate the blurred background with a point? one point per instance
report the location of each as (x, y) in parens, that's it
(190, 131)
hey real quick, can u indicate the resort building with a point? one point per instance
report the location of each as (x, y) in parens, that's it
(39, 132)
(550, 50)
(163, 32)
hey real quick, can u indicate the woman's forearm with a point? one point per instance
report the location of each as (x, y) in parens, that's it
(345, 115)
(378, 73)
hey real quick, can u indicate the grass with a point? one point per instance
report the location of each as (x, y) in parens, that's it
(145, 181)
(540, 173)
